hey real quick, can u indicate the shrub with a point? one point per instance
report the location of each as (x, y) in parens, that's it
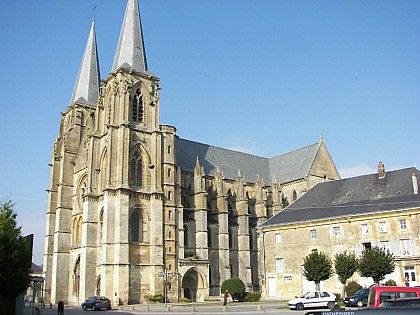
(338, 295)
(236, 288)
(184, 300)
(154, 298)
(390, 282)
(352, 287)
(251, 297)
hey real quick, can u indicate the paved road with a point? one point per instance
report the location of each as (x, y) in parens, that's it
(206, 308)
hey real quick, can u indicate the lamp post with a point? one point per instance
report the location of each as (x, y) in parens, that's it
(164, 275)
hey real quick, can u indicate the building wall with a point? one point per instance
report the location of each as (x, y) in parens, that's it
(294, 243)
(89, 245)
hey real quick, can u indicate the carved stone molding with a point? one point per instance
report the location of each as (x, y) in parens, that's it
(193, 262)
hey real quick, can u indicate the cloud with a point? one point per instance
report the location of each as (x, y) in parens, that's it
(357, 170)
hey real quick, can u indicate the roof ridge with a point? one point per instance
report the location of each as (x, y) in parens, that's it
(289, 152)
(221, 148)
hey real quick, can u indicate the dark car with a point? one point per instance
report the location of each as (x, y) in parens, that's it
(359, 299)
(401, 303)
(96, 303)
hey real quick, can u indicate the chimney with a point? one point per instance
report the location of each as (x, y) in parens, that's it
(381, 170)
(415, 183)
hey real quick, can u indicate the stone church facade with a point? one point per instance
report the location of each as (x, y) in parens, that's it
(135, 211)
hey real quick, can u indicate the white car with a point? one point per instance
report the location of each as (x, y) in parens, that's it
(313, 299)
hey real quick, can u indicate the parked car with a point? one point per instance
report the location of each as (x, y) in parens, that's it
(401, 303)
(28, 298)
(96, 303)
(313, 299)
(360, 298)
(379, 294)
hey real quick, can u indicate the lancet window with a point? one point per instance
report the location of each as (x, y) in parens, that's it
(136, 172)
(137, 106)
(136, 226)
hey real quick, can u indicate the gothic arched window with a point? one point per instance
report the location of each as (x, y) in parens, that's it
(294, 196)
(137, 107)
(136, 170)
(136, 226)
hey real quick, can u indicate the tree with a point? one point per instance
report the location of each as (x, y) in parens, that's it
(15, 256)
(235, 286)
(376, 263)
(317, 267)
(345, 266)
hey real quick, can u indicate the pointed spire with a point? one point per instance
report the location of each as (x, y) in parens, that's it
(130, 48)
(86, 89)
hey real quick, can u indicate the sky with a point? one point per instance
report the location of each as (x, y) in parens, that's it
(260, 76)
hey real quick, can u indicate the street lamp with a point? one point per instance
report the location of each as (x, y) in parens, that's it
(165, 275)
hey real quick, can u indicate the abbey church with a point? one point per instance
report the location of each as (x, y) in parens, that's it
(135, 211)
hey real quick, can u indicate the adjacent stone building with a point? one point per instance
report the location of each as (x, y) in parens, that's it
(135, 211)
(352, 214)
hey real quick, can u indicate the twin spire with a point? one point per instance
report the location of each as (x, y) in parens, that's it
(86, 89)
(130, 48)
(130, 54)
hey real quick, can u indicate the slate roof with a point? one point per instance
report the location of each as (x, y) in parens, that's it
(86, 88)
(351, 197)
(130, 47)
(293, 165)
(284, 168)
(35, 268)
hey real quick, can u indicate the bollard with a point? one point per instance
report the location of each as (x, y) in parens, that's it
(50, 306)
(147, 308)
(168, 308)
(193, 309)
(258, 307)
(132, 308)
(225, 308)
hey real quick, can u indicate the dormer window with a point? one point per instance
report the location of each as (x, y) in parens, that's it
(137, 107)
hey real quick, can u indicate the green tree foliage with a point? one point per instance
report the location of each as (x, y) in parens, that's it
(317, 267)
(235, 286)
(14, 259)
(345, 266)
(390, 283)
(376, 263)
(352, 287)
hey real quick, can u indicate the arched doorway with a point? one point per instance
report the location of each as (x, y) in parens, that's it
(193, 285)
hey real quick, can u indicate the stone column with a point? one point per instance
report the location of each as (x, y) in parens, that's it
(89, 242)
(222, 205)
(200, 203)
(243, 234)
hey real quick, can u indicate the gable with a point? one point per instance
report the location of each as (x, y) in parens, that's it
(323, 165)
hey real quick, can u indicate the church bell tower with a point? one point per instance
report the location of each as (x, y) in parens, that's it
(112, 181)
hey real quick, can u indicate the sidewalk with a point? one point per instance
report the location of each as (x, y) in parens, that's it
(205, 307)
(183, 308)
